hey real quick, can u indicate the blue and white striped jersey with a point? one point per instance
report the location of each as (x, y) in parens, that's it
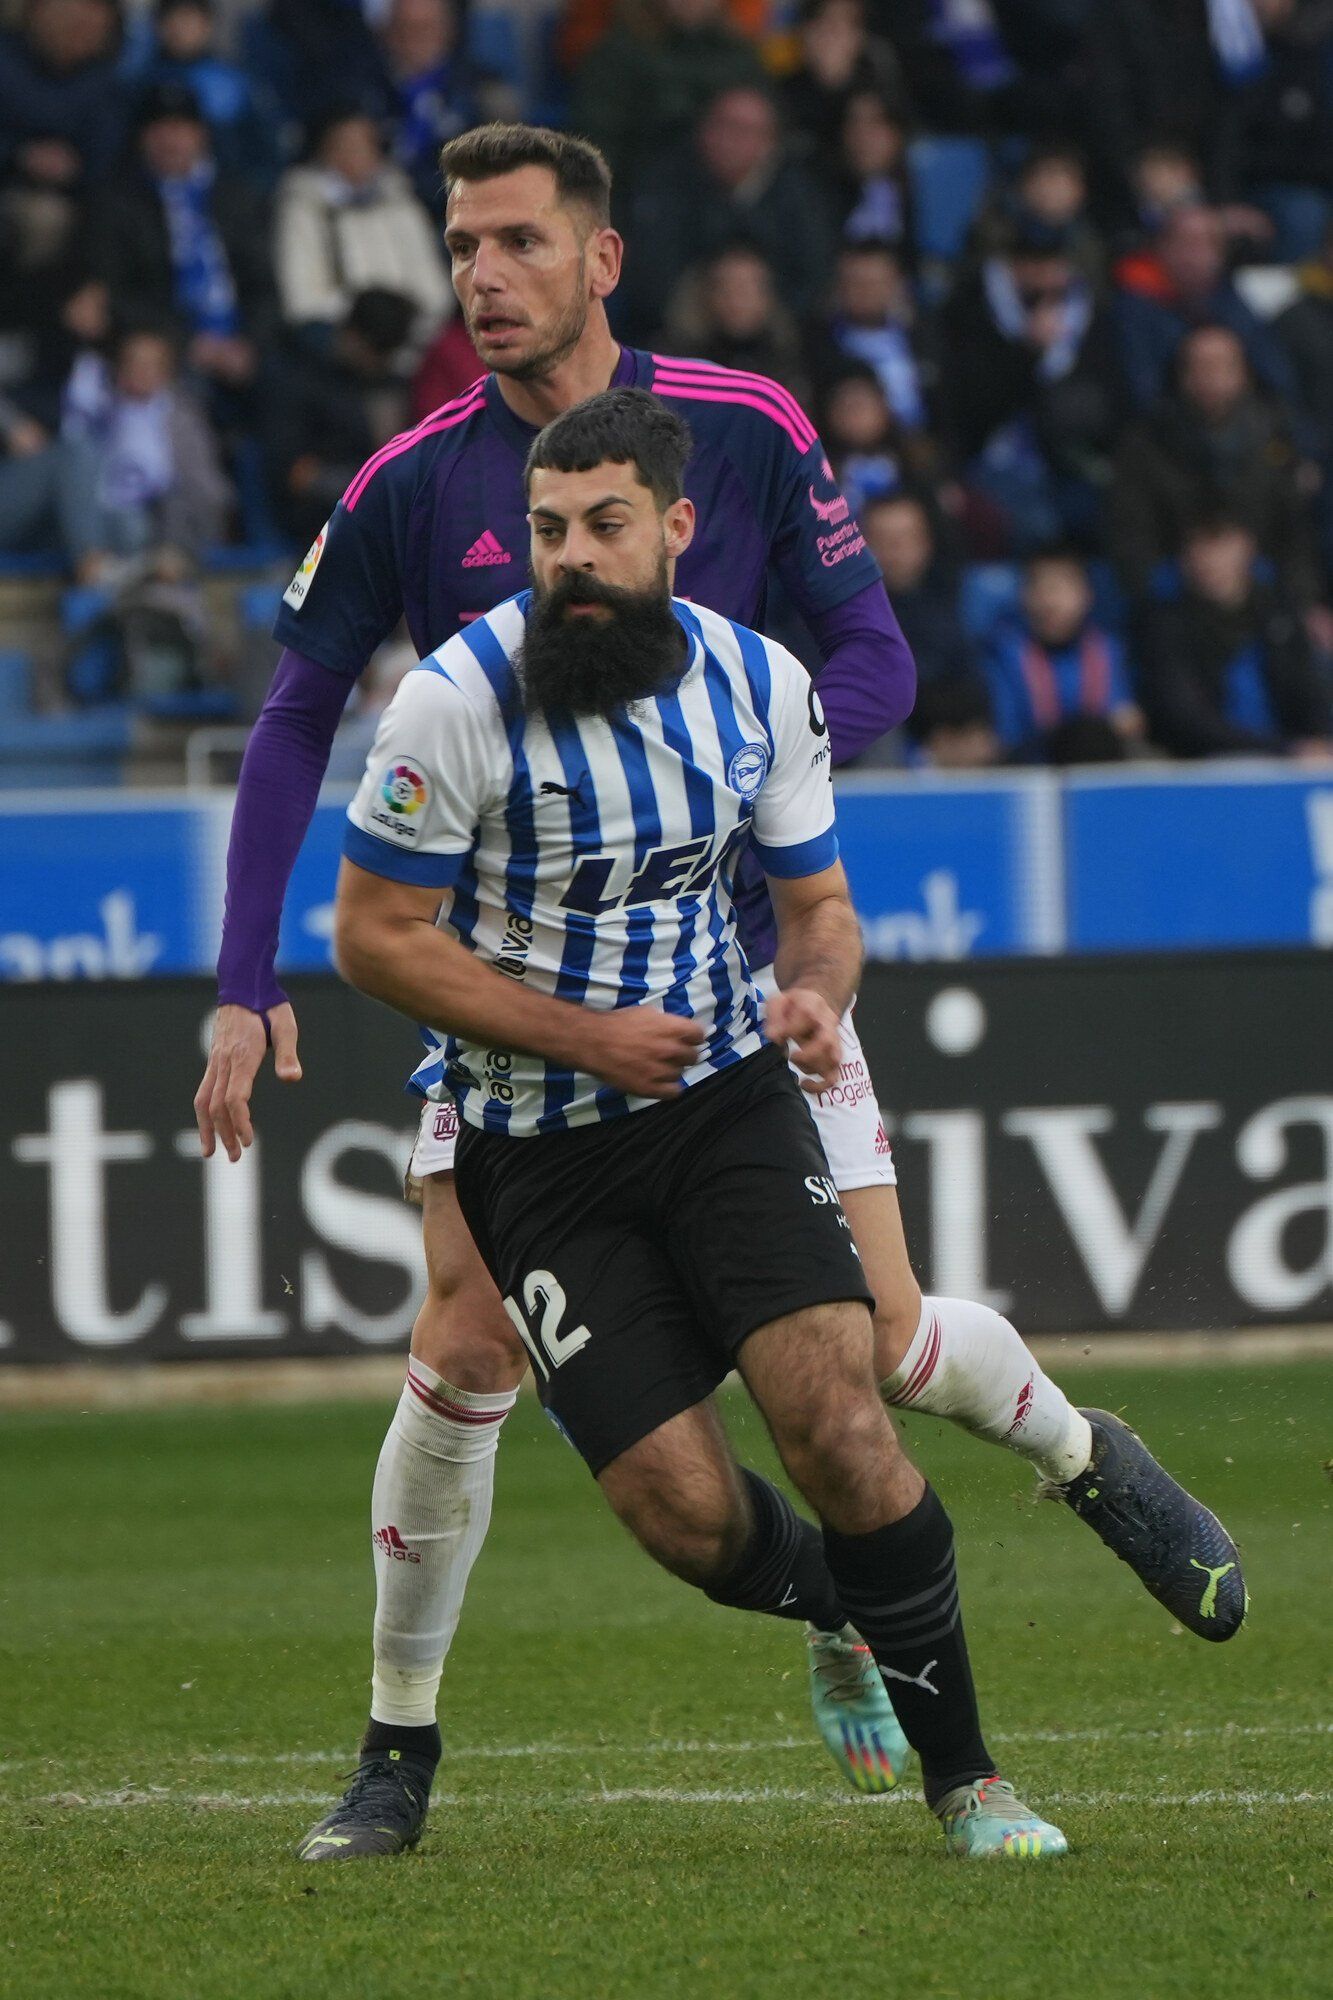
(593, 859)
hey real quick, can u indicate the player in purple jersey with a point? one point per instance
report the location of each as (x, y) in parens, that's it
(432, 528)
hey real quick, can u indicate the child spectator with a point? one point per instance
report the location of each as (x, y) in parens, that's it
(348, 222)
(904, 542)
(1227, 667)
(1055, 666)
(1048, 203)
(950, 729)
(155, 473)
(869, 452)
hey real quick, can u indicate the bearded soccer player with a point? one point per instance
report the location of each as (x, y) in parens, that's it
(434, 526)
(636, 1163)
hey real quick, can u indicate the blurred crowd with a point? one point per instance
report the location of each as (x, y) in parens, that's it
(1055, 278)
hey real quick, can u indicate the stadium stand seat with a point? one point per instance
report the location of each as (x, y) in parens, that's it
(15, 682)
(86, 748)
(950, 177)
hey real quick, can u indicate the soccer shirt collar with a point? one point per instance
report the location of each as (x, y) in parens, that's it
(633, 369)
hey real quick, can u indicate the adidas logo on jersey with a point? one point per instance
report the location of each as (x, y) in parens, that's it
(486, 553)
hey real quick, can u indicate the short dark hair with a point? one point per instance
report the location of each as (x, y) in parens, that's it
(381, 318)
(619, 427)
(1209, 524)
(581, 174)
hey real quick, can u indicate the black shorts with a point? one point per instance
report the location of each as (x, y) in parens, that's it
(634, 1257)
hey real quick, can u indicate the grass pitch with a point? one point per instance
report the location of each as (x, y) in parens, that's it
(631, 1801)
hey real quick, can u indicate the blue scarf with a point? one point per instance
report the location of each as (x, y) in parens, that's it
(205, 289)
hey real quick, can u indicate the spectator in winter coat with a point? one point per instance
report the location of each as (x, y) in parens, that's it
(1182, 285)
(348, 222)
(180, 241)
(433, 93)
(731, 184)
(728, 311)
(1055, 666)
(1226, 667)
(643, 89)
(58, 84)
(1306, 331)
(868, 181)
(839, 60)
(242, 124)
(1214, 443)
(904, 539)
(1283, 125)
(1027, 393)
(874, 320)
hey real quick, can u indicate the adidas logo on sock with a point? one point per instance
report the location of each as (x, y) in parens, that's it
(390, 1543)
(486, 553)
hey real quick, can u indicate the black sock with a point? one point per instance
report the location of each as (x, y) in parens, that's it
(418, 1747)
(783, 1569)
(901, 1592)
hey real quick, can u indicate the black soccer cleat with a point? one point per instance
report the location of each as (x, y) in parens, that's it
(382, 1811)
(1181, 1554)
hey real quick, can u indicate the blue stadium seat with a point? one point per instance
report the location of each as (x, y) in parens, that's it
(87, 747)
(15, 682)
(950, 178)
(257, 606)
(987, 594)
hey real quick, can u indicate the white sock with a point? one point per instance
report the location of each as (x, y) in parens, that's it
(430, 1509)
(967, 1363)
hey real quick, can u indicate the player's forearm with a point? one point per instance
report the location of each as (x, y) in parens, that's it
(867, 684)
(416, 969)
(819, 949)
(284, 765)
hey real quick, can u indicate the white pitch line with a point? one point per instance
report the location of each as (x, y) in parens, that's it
(116, 1801)
(668, 1747)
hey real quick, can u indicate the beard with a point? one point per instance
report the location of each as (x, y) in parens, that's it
(560, 341)
(600, 666)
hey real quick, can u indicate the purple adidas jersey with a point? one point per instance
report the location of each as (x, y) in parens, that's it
(434, 526)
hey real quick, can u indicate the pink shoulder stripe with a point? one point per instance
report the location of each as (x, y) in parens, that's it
(712, 374)
(444, 419)
(693, 392)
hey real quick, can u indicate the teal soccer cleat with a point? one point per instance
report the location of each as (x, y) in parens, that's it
(988, 1820)
(853, 1713)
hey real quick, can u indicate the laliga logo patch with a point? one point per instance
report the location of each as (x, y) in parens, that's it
(748, 769)
(296, 591)
(402, 794)
(403, 790)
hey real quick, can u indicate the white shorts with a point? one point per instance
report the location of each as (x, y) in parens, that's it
(851, 1129)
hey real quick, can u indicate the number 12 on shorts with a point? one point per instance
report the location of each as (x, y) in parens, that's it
(544, 1295)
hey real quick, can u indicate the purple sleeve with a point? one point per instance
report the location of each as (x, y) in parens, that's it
(868, 681)
(285, 761)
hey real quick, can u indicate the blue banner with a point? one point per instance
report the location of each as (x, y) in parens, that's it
(1206, 861)
(125, 887)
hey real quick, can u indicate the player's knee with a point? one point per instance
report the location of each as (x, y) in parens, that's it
(464, 1333)
(837, 1431)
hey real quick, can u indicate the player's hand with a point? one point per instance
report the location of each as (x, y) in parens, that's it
(222, 1101)
(642, 1050)
(812, 1032)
